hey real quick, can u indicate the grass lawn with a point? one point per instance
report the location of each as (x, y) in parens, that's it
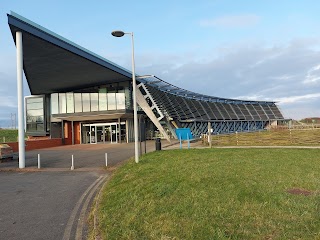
(214, 194)
(8, 135)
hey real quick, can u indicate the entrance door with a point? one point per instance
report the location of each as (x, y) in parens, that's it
(100, 134)
(114, 134)
(93, 134)
(107, 133)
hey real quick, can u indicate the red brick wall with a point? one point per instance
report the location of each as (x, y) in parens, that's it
(67, 133)
(76, 132)
(37, 144)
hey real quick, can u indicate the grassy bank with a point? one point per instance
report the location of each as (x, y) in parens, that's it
(285, 137)
(215, 194)
(8, 135)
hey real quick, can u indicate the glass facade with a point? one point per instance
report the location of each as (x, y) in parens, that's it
(103, 106)
(62, 103)
(35, 114)
(77, 102)
(70, 102)
(104, 98)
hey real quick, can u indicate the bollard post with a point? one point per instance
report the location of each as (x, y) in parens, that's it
(209, 133)
(106, 157)
(188, 141)
(72, 162)
(39, 165)
(237, 138)
(180, 141)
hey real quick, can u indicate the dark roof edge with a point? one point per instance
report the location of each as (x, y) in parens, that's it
(35, 29)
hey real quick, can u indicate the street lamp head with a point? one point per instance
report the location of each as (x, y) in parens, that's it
(117, 33)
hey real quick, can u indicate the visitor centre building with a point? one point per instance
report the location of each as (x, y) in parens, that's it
(84, 98)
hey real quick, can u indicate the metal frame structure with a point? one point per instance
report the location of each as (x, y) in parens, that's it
(184, 108)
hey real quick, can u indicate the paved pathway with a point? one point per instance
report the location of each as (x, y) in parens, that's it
(45, 205)
(53, 203)
(86, 157)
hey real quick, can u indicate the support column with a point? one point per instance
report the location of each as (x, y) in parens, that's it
(62, 132)
(22, 160)
(72, 132)
(119, 134)
(209, 132)
(127, 131)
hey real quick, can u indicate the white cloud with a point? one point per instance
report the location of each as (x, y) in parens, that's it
(313, 75)
(231, 21)
(295, 99)
(284, 77)
(8, 102)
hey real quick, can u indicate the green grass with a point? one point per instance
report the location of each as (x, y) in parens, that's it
(285, 137)
(9, 135)
(214, 194)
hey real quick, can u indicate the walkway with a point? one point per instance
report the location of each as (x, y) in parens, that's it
(54, 203)
(86, 156)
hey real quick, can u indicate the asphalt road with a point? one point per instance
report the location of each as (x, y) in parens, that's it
(46, 205)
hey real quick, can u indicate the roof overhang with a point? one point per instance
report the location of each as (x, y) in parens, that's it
(54, 64)
(92, 117)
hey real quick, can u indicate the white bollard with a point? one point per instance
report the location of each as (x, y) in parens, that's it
(72, 162)
(106, 157)
(39, 165)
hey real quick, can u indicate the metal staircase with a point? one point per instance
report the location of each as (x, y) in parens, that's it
(149, 106)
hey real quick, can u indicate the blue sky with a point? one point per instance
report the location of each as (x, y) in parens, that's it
(261, 50)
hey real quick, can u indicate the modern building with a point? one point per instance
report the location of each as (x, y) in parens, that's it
(84, 98)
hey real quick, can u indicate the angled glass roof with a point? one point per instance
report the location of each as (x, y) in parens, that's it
(164, 86)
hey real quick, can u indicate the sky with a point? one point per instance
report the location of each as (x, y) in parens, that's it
(256, 50)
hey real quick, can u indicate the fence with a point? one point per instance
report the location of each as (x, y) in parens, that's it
(276, 137)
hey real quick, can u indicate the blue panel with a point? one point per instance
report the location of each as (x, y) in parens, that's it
(184, 133)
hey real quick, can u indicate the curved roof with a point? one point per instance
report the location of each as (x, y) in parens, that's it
(164, 86)
(55, 64)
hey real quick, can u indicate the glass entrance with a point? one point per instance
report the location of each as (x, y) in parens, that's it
(114, 133)
(107, 134)
(101, 132)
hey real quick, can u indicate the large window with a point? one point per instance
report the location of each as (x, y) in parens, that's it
(86, 102)
(112, 101)
(70, 102)
(77, 102)
(54, 103)
(62, 103)
(35, 114)
(103, 98)
(121, 101)
(94, 102)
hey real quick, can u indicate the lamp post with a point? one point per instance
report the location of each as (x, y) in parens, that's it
(135, 113)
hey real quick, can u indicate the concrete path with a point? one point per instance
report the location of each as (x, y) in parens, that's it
(86, 156)
(53, 203)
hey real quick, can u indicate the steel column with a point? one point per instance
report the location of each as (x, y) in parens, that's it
(22, 160)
